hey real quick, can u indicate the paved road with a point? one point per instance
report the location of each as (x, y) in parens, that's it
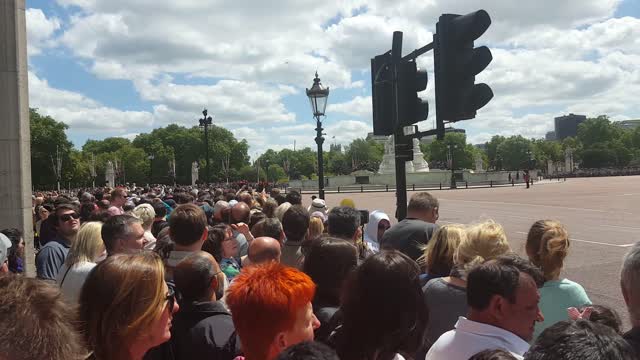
(601, 215)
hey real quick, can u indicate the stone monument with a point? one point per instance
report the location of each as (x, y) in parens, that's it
(388, 163)
(194, 173)
(568, 160)
(110, 175)
(479, 163)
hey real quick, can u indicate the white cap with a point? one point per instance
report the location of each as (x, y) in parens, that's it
(5, 245)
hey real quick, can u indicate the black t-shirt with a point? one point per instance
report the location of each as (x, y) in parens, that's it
(407, 236)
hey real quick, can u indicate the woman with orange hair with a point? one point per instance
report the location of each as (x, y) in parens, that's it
(126, 307)
(271, 309)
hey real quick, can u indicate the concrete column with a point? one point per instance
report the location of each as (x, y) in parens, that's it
(15, 138)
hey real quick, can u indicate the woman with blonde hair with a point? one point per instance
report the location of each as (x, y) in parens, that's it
(437, 259)
(446, 297)
(547, 246)
(147, 214)
(86, 250)
(126, 307)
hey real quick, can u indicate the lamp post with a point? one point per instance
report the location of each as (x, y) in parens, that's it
(151, 157)
(452, 147)
(205, 122)
(318, 98)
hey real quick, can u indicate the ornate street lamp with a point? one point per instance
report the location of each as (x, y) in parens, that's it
(205, 122)
(318, 96)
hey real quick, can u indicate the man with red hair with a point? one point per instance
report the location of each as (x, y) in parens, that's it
(271, 309)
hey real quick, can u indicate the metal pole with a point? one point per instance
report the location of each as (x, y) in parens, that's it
(319, 141)
(206, 144)
(453, 171)
(150, 169)
(401, 176)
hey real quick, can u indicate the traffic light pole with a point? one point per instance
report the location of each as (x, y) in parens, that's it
(398, 136)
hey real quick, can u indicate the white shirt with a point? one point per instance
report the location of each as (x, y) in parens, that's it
(470, 337)
(73, 280)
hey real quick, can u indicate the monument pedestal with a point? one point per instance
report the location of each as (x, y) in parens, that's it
(388, 164)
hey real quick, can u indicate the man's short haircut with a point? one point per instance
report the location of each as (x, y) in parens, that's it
(263, 254)
(295, 223)
(493, 354)
(422, 201)
(193, 276)
(63, 207)
(160, 209)
(263, 300)
(182, 198)
(280, 199)
(294, 197)
(36, 321)
(630, 280)
(499, 277)
(187, 224)
(118, 192)
(343, 222)
(116, 228)
(580, 339)
(308, 350)
(270, 227)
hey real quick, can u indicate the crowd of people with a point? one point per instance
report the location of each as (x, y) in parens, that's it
(236, 273)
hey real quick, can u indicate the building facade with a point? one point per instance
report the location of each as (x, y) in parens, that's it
(567, 125)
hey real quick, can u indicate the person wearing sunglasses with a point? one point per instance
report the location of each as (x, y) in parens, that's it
(52, 255)
(126, 308)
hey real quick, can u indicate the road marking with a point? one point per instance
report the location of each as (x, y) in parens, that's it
(538, 205)
(621, 227)
(589, 242)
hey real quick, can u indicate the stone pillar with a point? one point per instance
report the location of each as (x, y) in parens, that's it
(15, 137)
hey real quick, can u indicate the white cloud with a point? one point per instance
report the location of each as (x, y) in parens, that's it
(251, 58)
(359, 106)
(40, 30)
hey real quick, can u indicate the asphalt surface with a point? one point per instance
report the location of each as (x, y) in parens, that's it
(601, 215)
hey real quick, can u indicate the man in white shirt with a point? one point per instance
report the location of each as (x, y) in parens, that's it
(503, 308)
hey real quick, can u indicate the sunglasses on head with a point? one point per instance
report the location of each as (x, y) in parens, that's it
(171, 299)
(67, 217)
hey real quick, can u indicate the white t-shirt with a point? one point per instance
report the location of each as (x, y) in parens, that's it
(73, 280)
(471, 337)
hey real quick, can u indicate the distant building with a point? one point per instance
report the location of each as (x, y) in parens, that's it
(550, 136)
(566, 126)
(628, 124)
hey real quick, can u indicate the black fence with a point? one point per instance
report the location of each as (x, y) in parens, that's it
(410, 187)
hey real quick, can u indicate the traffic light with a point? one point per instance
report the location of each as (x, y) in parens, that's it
(457, 63)
(411, 80)
(382, 94)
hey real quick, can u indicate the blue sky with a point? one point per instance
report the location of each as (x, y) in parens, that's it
(118, 68)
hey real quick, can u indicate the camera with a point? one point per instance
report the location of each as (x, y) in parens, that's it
(364, 217)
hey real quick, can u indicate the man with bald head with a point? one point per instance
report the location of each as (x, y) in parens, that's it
(239, 219)
(263, 249)
(203, 329)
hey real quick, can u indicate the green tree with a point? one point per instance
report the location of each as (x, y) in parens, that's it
(492, 150)
(514, 152)
(364, 154)
(47, 137)
(463, 153)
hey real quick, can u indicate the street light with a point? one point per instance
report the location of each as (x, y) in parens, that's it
(318, 98)
(452, 147)
(205, 122)
(151, 157)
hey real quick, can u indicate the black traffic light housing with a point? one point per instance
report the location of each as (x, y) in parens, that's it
(411, 80)
(382, 94)
(456, 63)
